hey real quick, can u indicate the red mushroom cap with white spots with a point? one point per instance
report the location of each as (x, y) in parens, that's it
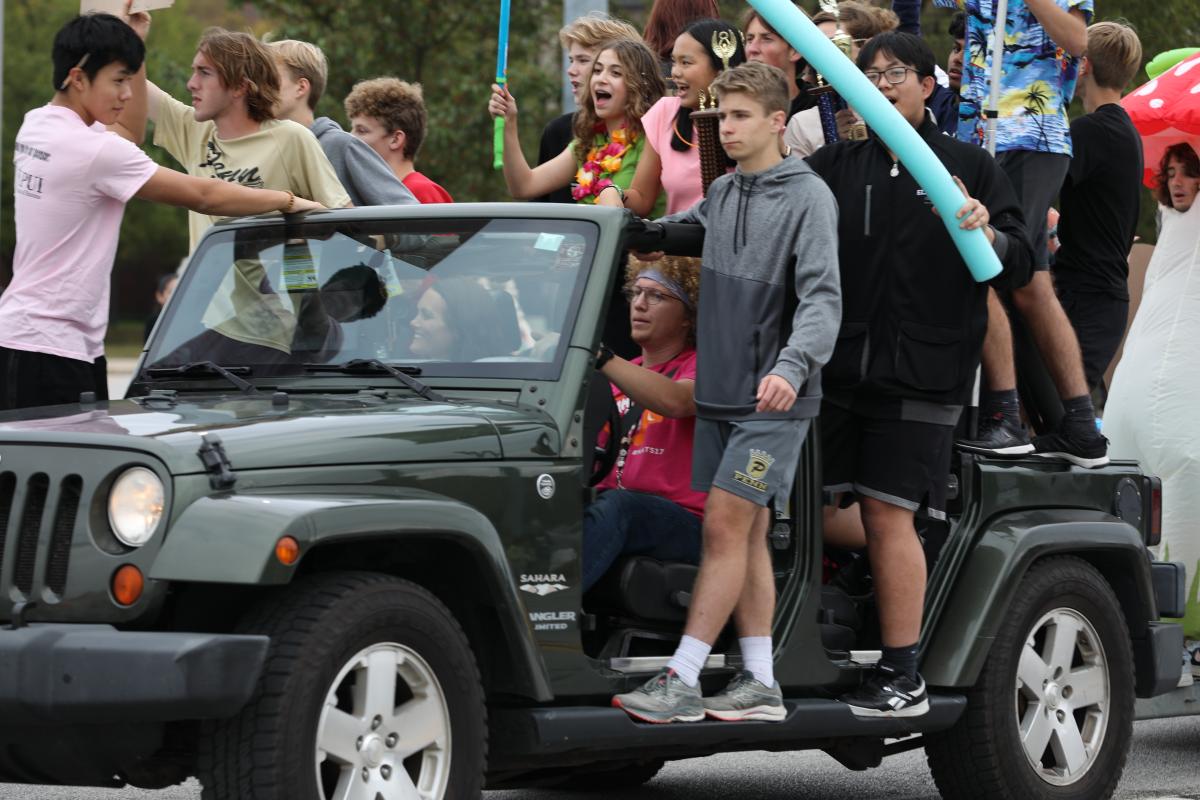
(1166, 111)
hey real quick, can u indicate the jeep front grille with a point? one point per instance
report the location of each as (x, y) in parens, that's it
(30, 520)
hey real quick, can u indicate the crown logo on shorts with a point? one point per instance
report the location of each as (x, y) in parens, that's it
(760, 461)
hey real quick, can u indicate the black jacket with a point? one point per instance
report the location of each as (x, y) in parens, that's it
(913, 318)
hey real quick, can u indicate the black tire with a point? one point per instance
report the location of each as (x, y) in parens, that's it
(983, 756)
(319, 627)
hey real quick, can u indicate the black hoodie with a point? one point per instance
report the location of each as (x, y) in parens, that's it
(913, 318)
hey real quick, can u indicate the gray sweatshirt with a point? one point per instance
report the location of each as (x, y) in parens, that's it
(366, 177)
(770, 297)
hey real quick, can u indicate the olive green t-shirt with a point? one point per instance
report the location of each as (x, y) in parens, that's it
(282, 155)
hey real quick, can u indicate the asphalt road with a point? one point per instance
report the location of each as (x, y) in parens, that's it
(1163, 765)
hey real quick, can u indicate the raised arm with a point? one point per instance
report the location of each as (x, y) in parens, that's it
(524, 182)
(131, 124)
(1068, 29)
(217, 197)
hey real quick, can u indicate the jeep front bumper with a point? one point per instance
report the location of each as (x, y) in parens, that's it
(57, 673)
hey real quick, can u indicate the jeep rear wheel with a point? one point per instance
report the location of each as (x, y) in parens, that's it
(1052, 714)
(370, 690)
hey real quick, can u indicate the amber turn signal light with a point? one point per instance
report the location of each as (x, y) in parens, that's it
(127, 584)
(287, 550)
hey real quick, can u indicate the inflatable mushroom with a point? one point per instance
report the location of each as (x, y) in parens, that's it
(1166, 111)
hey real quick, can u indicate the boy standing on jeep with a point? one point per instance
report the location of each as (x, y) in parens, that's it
(769, 310)
(913, 324)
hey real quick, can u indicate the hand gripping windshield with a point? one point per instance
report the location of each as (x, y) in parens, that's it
(367, 365)
(205, 368)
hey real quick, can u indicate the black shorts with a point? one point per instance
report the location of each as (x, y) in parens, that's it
(1099, 322)
(900, 462)
(30, 379)
(1037, 178)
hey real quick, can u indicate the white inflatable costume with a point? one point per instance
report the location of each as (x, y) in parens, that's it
(1153, 410)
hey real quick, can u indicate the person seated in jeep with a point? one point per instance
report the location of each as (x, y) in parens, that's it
(264, 330)
(457, 319)
(647, 505)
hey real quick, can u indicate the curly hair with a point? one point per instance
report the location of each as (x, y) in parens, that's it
(644, 85)
(398, 105)
(684, 270)
(241, 61)
(1191, 168)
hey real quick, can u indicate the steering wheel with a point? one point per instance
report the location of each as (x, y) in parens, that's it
(603, 458)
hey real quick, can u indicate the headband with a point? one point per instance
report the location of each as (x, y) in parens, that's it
(671, 286)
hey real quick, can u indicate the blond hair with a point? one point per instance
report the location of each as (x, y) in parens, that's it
(761, 82)
(303, 60)
(243, 62)
(592, 30)
(398, 105)
(863, 21)
(1115, 53)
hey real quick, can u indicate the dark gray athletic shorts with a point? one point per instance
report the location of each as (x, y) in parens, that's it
(1037, 178)
(753, 459)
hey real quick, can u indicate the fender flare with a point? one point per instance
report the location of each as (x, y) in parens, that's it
(230, 539)
(957, 648)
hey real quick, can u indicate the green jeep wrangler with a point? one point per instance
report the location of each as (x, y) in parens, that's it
(329, 546)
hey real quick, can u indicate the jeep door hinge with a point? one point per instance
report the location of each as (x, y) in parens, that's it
(216, 463)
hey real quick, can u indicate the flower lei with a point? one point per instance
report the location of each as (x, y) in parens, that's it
(602, 163)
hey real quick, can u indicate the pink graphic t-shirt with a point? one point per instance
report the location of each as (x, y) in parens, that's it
(659, 460)
(71, 184)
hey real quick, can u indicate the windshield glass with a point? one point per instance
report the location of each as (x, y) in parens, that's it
(471, 297)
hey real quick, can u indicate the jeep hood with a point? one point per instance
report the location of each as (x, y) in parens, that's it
(309, 430)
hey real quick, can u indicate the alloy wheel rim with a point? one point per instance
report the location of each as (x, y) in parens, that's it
(384, 729)
(1062, 697)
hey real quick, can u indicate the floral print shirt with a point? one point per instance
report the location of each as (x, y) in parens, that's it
(1037, 82)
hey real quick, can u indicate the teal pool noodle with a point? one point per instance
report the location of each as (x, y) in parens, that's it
(903, 140)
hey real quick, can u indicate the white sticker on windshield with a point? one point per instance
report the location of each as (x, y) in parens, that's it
(548, 241)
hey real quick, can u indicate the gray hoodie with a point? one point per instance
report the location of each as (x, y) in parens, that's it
(766, 235)
(366, 177)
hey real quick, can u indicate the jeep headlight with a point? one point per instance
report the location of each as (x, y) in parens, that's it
(135, 505)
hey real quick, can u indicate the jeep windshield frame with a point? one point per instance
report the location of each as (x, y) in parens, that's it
(257, 294)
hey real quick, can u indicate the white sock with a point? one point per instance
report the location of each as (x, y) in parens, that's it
(689, 659)
(756, 657)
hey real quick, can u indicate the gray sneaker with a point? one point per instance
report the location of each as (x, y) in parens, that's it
(663, 698)
(745, 698)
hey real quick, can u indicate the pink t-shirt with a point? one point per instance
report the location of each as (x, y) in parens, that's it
(680, 170)
(71, 186)
(659, 461)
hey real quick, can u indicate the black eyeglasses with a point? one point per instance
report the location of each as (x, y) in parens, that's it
(653, 296)
(894, 75)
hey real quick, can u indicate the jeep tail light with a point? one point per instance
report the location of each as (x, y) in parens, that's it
(1154, 528)
(127, 585)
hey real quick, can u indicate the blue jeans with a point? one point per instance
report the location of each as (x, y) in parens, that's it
(624, 523)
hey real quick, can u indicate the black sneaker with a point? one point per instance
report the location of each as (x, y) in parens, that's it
(888, 693)
(998, 437)
(1088, 450)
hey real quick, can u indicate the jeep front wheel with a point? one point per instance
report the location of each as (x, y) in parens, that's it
(370, 690)
(1051, 717)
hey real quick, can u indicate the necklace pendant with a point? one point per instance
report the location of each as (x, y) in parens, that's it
(895, 173)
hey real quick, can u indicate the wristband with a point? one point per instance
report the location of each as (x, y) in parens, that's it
(291, 203)
(620, 191)
(603, 356)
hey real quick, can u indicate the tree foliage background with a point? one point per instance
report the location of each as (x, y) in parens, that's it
(449, 46)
